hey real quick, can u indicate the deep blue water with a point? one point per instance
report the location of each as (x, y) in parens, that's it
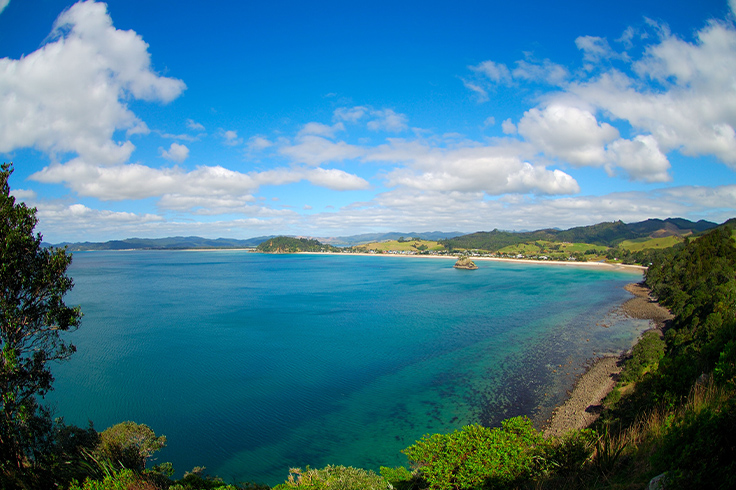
(251, 364)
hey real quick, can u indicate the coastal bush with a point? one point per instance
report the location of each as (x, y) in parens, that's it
(645, 355)
(401, 478)
(129, 445)
(334, 478)
(477, 457)
(570, 454)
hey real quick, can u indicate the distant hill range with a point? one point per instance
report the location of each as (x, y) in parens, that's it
(193, 242)
(172, 243)
(608, 234)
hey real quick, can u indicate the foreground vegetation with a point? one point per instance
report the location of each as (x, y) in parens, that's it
(672, 414)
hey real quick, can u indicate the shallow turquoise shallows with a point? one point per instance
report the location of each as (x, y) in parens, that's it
(251, 364)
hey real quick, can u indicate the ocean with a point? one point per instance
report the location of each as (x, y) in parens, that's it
(251, 364)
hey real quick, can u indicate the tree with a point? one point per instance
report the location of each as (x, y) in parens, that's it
(129, 445)
(33, 283)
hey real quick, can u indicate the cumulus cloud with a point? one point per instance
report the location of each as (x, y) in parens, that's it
(213, 184)
(176, 153)
(316, 150)
(3, 4)
(569, 133)
(492, 170)
(335, 179)
(677, 96)
(67, 96)
(640, 158)
(692, 108)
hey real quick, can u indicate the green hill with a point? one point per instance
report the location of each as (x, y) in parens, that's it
(609, 234)
(285, 244)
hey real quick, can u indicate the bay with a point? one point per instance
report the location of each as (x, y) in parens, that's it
(251, 364)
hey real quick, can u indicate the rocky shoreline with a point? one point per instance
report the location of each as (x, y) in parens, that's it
(583, 404)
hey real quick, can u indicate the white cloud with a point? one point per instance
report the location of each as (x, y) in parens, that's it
(173, 186)
(23, 194)
(335, 179)
(352, 114)
(258, 143)
(545, 71)
(231, 137)
(319, 129)
(495, 72)
(316, 150)
(377, 119)
(3, 4)
(388, 120)
(640, 158)
(480, 92)
(508, 127)
(569, 133)
(66, 96)
(692, 107)
(595, 49)
(194, 125)
(492, 170)
(176, 153)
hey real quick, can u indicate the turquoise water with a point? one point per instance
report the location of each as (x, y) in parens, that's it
(251, 364)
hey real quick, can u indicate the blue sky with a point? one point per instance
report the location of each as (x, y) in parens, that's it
(240, 119)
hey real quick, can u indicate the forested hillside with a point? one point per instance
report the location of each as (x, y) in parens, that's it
(285, 244)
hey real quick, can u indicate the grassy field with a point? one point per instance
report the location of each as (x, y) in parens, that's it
(642, 243)
(541, 247)
(406, 246)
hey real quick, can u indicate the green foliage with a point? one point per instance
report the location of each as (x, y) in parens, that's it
(120, 480)
(197, 480)
(33, 282)
(334, 478)
(129, 445)
(401, 479)
(699, 450)
(724, 371)
(479, 457)
(285, 244)
(645, 355)
(569, 455)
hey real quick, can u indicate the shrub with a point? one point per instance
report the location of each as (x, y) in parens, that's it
(645, 355)
(129, 445)
(334, 478)
(401, 479)
(479, 457)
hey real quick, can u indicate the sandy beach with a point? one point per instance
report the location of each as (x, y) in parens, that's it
(584, 401)
(496, 259)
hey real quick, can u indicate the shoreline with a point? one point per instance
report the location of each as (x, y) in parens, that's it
(583, 404)
(631, 267)
(612, 266)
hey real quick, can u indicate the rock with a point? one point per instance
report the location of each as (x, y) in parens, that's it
(658, 482)
(465, 263)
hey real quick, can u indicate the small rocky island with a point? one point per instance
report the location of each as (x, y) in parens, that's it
(465, 263)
